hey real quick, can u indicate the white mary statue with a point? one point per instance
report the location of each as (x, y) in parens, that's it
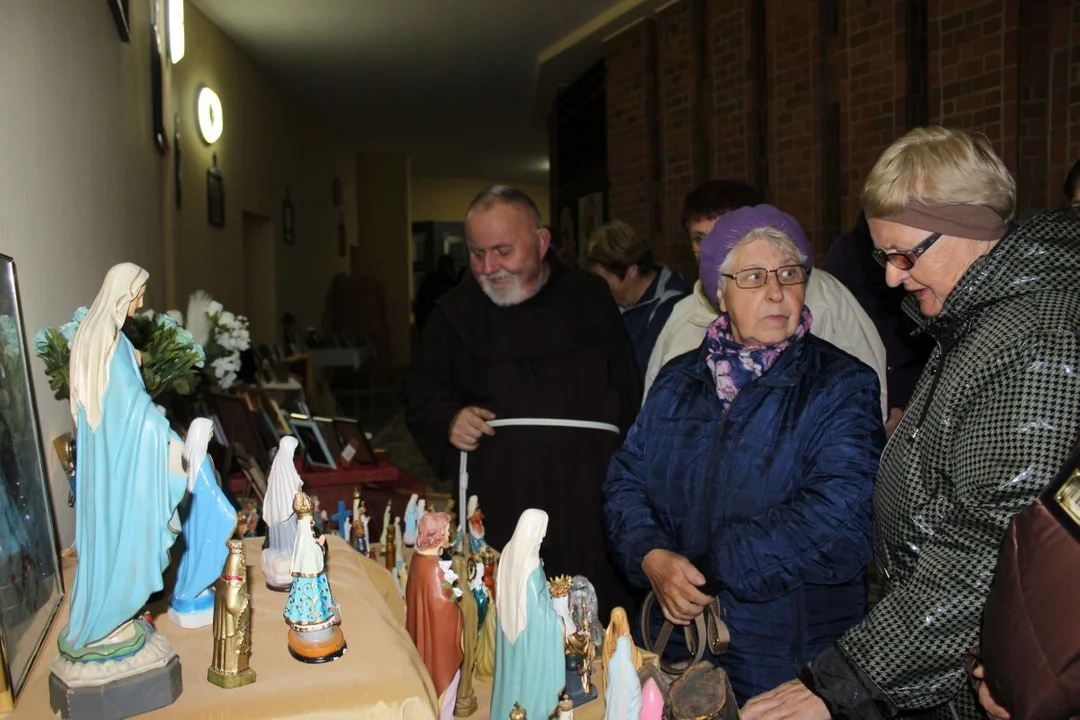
(281, 487)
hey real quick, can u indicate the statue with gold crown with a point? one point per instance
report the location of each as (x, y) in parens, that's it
(131, 477)
(230, 662)
(312, 616)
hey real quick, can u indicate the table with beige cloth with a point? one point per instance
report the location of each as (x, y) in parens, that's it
(379, 678)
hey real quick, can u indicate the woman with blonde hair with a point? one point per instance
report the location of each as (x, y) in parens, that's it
(993, 416)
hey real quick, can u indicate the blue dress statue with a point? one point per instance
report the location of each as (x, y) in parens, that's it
(128, 471)
(623, 698)
(411, 521)
(208, 521)
(530, 661)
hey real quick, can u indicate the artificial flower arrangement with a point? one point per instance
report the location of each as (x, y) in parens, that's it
(171, 359)
(223, 334)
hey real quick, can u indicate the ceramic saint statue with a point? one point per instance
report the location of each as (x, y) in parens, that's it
(359, 524)
(281, 487)
(490, 558)
(559, 589)
(530, 664)
(409, 536)
(385, 527)
(623, 698)
(479, 591)
(476, 525)
(619, 626)
(585, 608)
(208, 520)
(390, 548)
(318, 515)
(312, 616)
(652, 701)
(466, 703)
(433, 617)
(399, 548)
(230, 662)
(130, 477)
(581, 652)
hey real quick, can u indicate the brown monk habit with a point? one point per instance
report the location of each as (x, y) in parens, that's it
(564, 354)
(434, 620)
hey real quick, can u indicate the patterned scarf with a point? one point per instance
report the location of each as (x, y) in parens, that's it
(733, 365)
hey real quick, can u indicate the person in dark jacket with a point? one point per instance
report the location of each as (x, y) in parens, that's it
(644, 290)
(991, 420)
(851, 261)
(749, 471)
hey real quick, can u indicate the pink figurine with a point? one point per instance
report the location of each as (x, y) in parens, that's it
(652, 702)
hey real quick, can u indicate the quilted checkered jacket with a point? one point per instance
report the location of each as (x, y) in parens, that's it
(994, 414)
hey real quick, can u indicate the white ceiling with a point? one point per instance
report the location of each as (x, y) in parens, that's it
(453, 83)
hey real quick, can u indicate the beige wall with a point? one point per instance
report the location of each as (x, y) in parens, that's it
(80, 179)
(270, 143)
(384, 248)
(445, 199)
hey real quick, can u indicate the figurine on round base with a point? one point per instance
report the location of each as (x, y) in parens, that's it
(311, 614)
(195, 613)
(281, 487)
(316, 647)
(130, 683)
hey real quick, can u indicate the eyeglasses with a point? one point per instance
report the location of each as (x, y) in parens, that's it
(753, 278)
(905, 260)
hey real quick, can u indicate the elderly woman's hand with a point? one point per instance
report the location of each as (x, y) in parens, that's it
(675, 582)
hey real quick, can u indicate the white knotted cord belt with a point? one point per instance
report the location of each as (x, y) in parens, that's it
(463, 473)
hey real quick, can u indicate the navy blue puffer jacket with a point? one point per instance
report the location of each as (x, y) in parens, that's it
(772, 502)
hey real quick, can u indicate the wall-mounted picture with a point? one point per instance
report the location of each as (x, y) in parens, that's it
(355, 446)
(121, 12)
(287, 229)
(157, 107)
(590, 216)
(30, 577)
(215, 196)
(310, 437)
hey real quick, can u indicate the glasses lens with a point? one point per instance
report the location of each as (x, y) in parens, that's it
(880, 257)
(751, 278)
(791, 275)
(899, 261)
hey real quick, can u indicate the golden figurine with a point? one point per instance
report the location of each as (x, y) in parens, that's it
(390, 549)
(466, 703)
(229, 667)
(517, 713)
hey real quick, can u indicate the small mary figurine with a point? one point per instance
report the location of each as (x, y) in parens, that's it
(311, 614)
(476, 525)
(530, 664)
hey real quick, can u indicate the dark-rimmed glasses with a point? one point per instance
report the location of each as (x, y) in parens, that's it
(905, 260)
(753, 278)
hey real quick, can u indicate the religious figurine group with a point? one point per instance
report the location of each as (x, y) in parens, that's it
(141, 488)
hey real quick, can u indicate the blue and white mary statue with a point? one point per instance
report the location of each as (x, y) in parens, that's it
(130, 477)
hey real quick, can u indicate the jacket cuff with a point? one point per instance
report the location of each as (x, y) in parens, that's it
(845, 689)
(654, 541)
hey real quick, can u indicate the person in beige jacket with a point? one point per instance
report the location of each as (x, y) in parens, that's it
(838, 317)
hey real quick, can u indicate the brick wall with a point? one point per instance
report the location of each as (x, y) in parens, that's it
(677, 68)
(630, 60)
(1006, 68)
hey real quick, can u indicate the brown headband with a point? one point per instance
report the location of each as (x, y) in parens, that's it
(975, 222)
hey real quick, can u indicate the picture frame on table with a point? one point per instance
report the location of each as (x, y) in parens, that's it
(31, 581)
(330, 435)
(356, 448)
(309, 435)
(239, 424)
(254, 475)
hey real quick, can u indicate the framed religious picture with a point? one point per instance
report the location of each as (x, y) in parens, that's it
(330, 435)
(355, 446)
(590, 217)
(311, 439)
(178, 185)
(30, 578)
(121, 12)
(287, 230)
(215, 196)
(239, 425)
(157, 102)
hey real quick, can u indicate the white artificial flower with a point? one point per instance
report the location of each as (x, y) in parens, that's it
(213, 308)
(226, 318)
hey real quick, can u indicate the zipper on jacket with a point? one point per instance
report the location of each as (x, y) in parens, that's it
(800, 650)
(935, 372)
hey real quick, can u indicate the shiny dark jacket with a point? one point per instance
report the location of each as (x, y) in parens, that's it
(771, 501)
(993, 416)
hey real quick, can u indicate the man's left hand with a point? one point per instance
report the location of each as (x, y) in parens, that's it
(790, 701)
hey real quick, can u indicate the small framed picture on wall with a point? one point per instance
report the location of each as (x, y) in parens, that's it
(215, 196)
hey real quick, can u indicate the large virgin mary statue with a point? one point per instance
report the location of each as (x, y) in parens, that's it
(128, 471)
(530, 663)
